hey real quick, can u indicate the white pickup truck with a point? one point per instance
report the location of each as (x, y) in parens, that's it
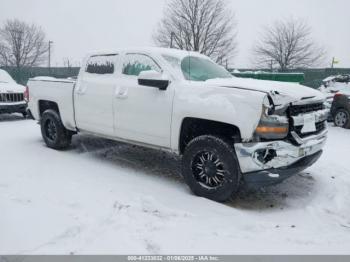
(228, 130)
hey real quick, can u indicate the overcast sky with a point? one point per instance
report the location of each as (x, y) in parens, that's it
(79, 26)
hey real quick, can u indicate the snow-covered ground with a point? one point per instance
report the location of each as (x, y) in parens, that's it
(111, 198)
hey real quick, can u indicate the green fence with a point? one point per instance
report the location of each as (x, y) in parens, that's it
(314, 77)
(21, 76)
(283, 77)
(308, 77)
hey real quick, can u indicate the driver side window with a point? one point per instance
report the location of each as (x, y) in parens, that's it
(134, 64)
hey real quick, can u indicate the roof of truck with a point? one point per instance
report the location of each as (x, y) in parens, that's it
(155, 50)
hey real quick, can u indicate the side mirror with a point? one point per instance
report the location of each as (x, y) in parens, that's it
(154, 79)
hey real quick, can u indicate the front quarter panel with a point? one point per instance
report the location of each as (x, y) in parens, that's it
(239, 107)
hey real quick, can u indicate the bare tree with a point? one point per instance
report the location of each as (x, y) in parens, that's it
(206, 26)
(289, 45)
(3, 56)
(21, 44)
(66, 62)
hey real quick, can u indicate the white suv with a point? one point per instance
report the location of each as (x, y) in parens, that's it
(13, 97)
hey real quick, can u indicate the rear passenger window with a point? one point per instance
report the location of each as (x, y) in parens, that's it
(101, 64)
(134, 64)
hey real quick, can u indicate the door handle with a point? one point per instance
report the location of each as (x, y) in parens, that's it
(81, 91)
(121, 93)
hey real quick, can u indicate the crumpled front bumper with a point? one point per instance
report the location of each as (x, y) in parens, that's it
(265, 163)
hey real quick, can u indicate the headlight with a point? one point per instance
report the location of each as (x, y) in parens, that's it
(271, 126)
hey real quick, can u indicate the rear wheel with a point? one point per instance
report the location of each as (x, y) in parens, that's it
(53, 132)
(210, 168)
(342, 118)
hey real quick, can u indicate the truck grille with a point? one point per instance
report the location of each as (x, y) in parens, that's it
(11, 97)
(302, 109)
(320, 126)
(296, 110)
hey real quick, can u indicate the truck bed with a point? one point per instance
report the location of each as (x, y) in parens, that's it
(58, 90)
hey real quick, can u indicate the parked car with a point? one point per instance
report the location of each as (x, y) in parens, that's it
(340, 110)
(332, 85)
(13, 97)
(336, 81)
(228, 130)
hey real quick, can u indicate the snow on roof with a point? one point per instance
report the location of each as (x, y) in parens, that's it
(329, 78)
(150, 50)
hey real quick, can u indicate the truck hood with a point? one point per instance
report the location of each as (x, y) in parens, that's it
(281, 92)
(11, 88)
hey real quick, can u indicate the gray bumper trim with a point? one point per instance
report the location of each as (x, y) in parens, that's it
(285, 152)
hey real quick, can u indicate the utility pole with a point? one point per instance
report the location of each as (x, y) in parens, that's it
(172, 35)
(334, 61)
(50, 43)
(271, 65)
(332, 64)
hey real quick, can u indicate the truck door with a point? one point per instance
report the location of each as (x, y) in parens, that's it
(142, 113)
(93, 96)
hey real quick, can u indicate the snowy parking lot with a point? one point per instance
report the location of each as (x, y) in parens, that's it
(105, 197)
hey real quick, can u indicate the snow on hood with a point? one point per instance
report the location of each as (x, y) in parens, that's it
(291, 92)
(11, 87)
(5, 77)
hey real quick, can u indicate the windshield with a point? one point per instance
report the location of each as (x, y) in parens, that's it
(5, 77)
(197, 68)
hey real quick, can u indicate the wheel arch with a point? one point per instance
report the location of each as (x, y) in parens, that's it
(44, 105)
(347, 111)
(193, 127)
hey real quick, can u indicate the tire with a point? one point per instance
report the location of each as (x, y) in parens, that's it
(342, 118)
(55, 135)
(216, 159)
(25, 115)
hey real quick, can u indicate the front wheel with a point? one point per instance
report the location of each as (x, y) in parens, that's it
(342, 118)
(210, 168)
(53, 132)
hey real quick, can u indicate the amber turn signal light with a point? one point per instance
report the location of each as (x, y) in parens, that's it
(270, 129)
